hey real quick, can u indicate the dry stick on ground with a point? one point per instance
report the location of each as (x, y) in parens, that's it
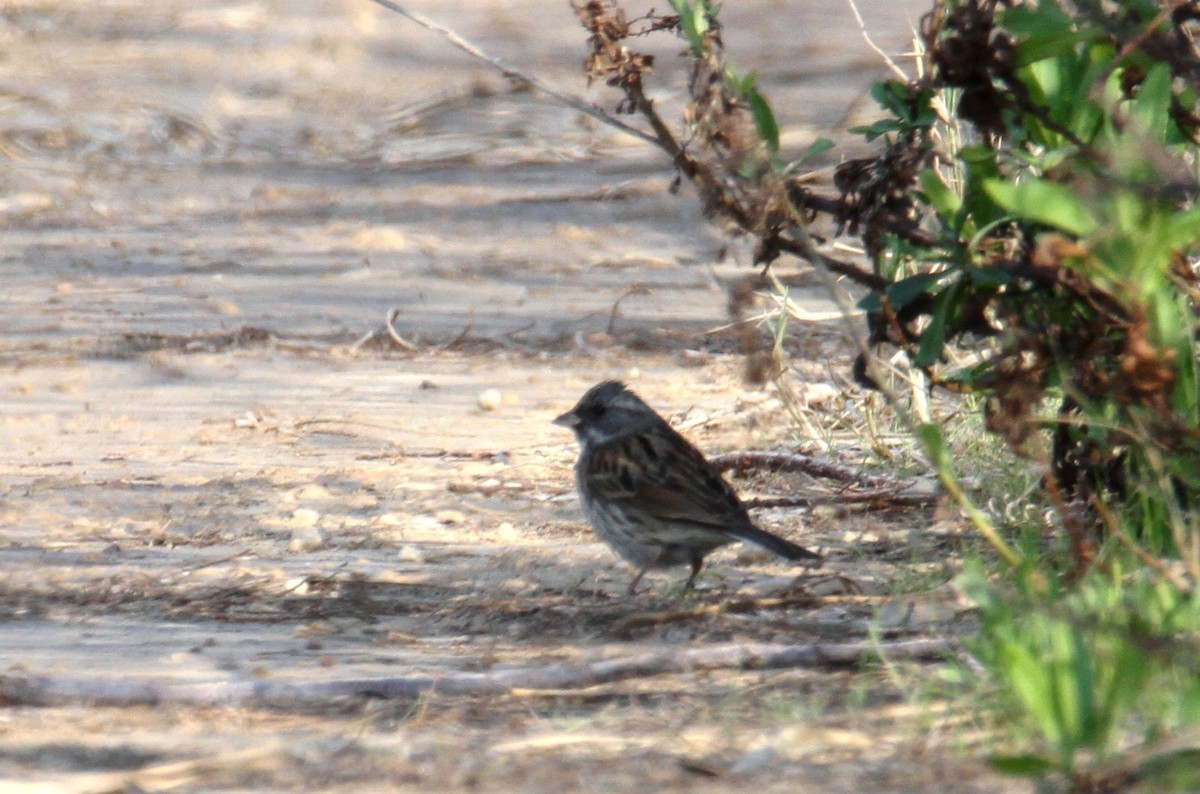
(817, 467)
(740, 606)
(50, 690)
(878, 498)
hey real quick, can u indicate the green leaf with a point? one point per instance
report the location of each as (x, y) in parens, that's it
(1048, 203)
(1029, 679)
(742, 84)
(944, 200)
(869, 302)
(905, 290)
(933, 338)
(902, 292)
(1173, 771)
(894, 97)
(935, 445)
(881, 127)
(1152, 108)
(693, 20)
(1029, 21)
(977, 154)
(764, 119)
(987, 276)
(817, 147)
(1023, 765)
(1184, 230)
(1050, 44)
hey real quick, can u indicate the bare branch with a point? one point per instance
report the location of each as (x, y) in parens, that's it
(48, 690)
(809, 464)
(571, 100)
(862, 28)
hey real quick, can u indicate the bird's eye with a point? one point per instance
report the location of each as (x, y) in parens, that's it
(598, 411)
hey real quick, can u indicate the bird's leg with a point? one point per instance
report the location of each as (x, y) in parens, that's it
(637, 578)
(697, 564)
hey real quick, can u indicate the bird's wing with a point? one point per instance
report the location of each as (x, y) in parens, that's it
(667, 477)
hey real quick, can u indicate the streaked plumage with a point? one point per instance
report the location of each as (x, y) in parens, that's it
(651, 495)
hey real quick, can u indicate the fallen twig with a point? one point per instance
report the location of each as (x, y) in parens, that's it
(741, 606)
(44, 690)
(875, 498)
(809, 464)
(392, 314)
(173, 775)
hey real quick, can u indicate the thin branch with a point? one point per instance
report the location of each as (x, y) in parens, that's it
(50, 690)
(740, 606)
(392, 314)
(817, 467)
(873, 499)
(862, 28)
(571, 100)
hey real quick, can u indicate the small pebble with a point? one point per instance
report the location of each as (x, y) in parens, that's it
(410, 553)
(297, 585)
(248, 419)
(490, 399)
(305, 539)
(304, 517)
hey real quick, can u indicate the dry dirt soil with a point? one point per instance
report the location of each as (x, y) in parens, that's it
(221, 479)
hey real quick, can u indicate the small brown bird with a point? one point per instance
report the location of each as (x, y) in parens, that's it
(651, 495)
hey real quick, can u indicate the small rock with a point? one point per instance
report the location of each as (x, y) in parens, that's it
(314, 492)
(818, 395)
(476, 468)
(423, 523)
(304, 517)
(507, 533)
(305, 539)
(410, 553)
(450, 516)
(297, 585)
(248, 419)
(490, 399)
(754, 761)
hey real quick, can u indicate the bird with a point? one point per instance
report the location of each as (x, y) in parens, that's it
(650, 495)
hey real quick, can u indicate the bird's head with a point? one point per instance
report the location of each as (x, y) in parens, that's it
(608, 410)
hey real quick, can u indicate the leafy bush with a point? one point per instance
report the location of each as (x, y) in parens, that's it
(1030, 209)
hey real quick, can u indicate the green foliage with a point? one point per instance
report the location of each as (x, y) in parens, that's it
(1059, 257)
(745, 86)
(1055, 244)
(1110, 662)
(1031, 210)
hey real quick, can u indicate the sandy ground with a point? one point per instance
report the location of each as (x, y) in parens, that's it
(213, 480)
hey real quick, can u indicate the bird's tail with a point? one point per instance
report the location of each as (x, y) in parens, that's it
(773, 543)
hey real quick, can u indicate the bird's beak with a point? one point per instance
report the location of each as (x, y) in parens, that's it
(569, 419)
